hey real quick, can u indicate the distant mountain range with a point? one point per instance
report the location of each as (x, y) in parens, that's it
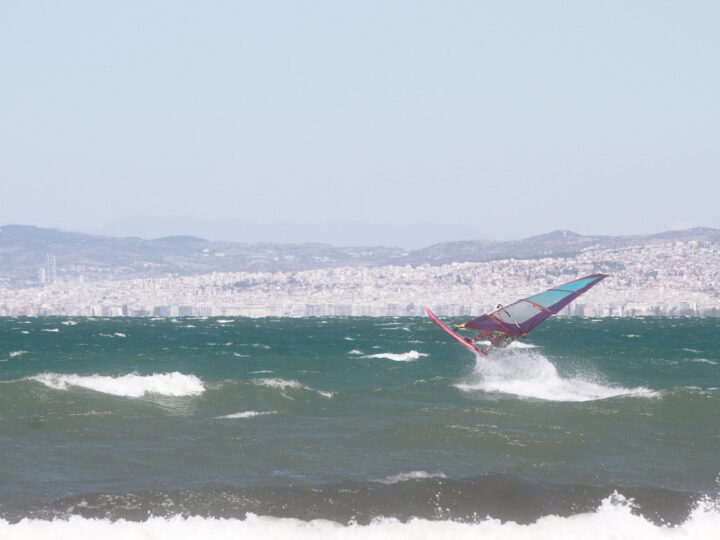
(344, 233)
(23, 251)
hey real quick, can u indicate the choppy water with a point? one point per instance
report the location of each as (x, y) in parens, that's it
(142, 427)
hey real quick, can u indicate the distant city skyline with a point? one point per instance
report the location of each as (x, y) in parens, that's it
(670, 279)
(503, 119)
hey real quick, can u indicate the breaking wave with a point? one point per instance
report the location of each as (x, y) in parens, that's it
(531, 375)
(132, 385)
(613, 519)
(401, 357)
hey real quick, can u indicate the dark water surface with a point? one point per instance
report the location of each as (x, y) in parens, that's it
(350, 419)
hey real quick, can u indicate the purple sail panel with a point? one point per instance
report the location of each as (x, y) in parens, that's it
(486, 322)
(520, 317)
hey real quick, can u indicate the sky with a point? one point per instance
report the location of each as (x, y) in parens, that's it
(511, 118)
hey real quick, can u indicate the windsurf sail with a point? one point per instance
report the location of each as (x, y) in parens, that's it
(508, 323)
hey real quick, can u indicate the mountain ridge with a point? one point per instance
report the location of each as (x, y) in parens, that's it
(23, 250)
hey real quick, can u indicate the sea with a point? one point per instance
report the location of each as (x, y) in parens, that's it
(357, 428)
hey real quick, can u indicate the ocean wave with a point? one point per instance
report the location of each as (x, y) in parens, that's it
(531, 375)
(356, 351)
(284, 384)
(50, 330)
(15, 354)
(245, 414)
(131, 385)
(401, 357)
(412, 475)
(613, 519)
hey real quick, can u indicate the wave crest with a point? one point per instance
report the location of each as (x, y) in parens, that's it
(284, 384)
(246, 414)
(412, 475)
(131, 385)
(401, 357)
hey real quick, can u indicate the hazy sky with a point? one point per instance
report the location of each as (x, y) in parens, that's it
(597, 116)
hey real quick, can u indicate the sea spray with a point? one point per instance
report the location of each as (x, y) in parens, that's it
(529, 374)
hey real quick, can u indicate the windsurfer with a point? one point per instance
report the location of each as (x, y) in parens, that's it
(498, 341)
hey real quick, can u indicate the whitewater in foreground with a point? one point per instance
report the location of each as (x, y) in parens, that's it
(613, 520)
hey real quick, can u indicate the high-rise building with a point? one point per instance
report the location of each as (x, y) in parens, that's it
(50, 269)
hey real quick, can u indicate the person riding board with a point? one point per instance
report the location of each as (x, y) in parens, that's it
(497, 340)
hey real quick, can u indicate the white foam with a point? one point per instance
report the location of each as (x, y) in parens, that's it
(521, 345)
(284, 384)
(412, 475)
(119, 334)
(69, 323)
(531, 375)
(402, 357)
(699, 360)
(15, 354)
(224, 321)
(356, 351)
(613, 519)
(50, 330)
(132, 385)
(246, 414)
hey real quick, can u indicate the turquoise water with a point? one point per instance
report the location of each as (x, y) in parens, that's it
(212, 410)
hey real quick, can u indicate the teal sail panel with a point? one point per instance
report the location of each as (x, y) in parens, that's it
(520, 317)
